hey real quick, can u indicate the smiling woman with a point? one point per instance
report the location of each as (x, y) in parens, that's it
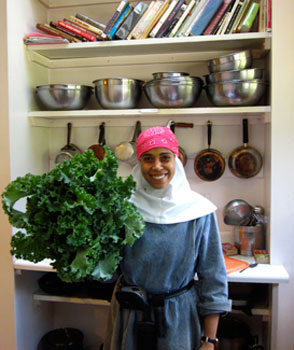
(157, 304)
(158, 166)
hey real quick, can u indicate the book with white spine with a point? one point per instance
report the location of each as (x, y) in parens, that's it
(162, 19)
(188, 22)
(183, 17)
(141, 21)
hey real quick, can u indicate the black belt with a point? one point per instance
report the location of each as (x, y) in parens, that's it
(133, 300)
(158, 299)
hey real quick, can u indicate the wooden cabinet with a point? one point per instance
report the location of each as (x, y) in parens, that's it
(36, 136)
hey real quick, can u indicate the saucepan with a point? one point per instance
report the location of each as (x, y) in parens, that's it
(245, 161)
(98, 149)
(126, 150)
(209, 163)
(69, 150)
(172, 125)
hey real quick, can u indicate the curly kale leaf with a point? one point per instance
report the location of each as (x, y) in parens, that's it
(77, 215)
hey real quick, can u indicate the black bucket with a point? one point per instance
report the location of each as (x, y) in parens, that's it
(62, 339)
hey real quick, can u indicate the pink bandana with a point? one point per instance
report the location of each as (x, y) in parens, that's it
(157, 137)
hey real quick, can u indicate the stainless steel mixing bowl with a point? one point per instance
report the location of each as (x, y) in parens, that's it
(118, 93)
(63, 96)
(236, 93)
(159, 75)
(173, 93)
(237, 74)
(238, 60)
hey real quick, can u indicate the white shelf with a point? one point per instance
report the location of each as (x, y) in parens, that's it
(119, 52)
(39, 295)
(222, 116)
(262, 273)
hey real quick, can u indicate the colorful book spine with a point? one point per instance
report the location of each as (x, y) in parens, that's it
(76, 26)
(169, 19)
(175, 20)
(155, 19)
(249, 18)
(120, 20)
(88, 26)
(90, 21)
(142, 22)
(122, 5)
(262, 16)
(234, 16)
(240, 15)
(130, 22)
(221, 23)
(52, 31)
(190, 19)
(269, 16)
(80, 32)
(182, 18)
(217, 17)
(68, 32)
(205, 16)
(228, 17)
(162, 19)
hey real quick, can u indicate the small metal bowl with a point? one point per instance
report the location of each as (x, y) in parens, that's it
(173, 94)
(236, 93)
(63, 97)
(159, 75)
(237, 74)
(238, 60)
(118, 93)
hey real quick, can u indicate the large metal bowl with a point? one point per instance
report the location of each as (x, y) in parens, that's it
(236, 93)
(159, 75)
(237, 74)
(238, 60)
(118, 93)
(168, 93)
(63, 96)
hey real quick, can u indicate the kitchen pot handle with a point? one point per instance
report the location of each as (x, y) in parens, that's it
(245, 131)
(137, 131)
(184, 125)
(101, 140)
(209, 127)
(69, 127)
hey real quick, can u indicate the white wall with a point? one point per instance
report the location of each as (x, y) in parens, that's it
(282, 242)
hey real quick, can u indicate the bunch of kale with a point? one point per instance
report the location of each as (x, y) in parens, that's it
(77, 215)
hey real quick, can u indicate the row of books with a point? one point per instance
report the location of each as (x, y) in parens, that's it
(166, 19)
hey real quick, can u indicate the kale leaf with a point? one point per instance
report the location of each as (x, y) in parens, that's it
(78, 215)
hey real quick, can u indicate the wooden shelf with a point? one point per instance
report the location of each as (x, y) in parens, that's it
(221, 116)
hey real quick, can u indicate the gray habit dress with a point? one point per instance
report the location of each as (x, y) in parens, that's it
(164, 260)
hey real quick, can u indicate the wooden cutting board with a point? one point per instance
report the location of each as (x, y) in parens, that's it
(233, 264)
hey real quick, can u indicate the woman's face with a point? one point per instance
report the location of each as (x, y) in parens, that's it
(158, 166)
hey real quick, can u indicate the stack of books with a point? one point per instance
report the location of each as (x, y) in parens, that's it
(166, 19)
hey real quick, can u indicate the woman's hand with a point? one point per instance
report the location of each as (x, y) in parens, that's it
(207, 346)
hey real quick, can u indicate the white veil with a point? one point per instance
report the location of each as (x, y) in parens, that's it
(172, 204)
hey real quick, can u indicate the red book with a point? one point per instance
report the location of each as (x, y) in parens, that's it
(217, 17)
(66, 31)
(269, 15)
(52, 31)
(80, 32)
(77, 26)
